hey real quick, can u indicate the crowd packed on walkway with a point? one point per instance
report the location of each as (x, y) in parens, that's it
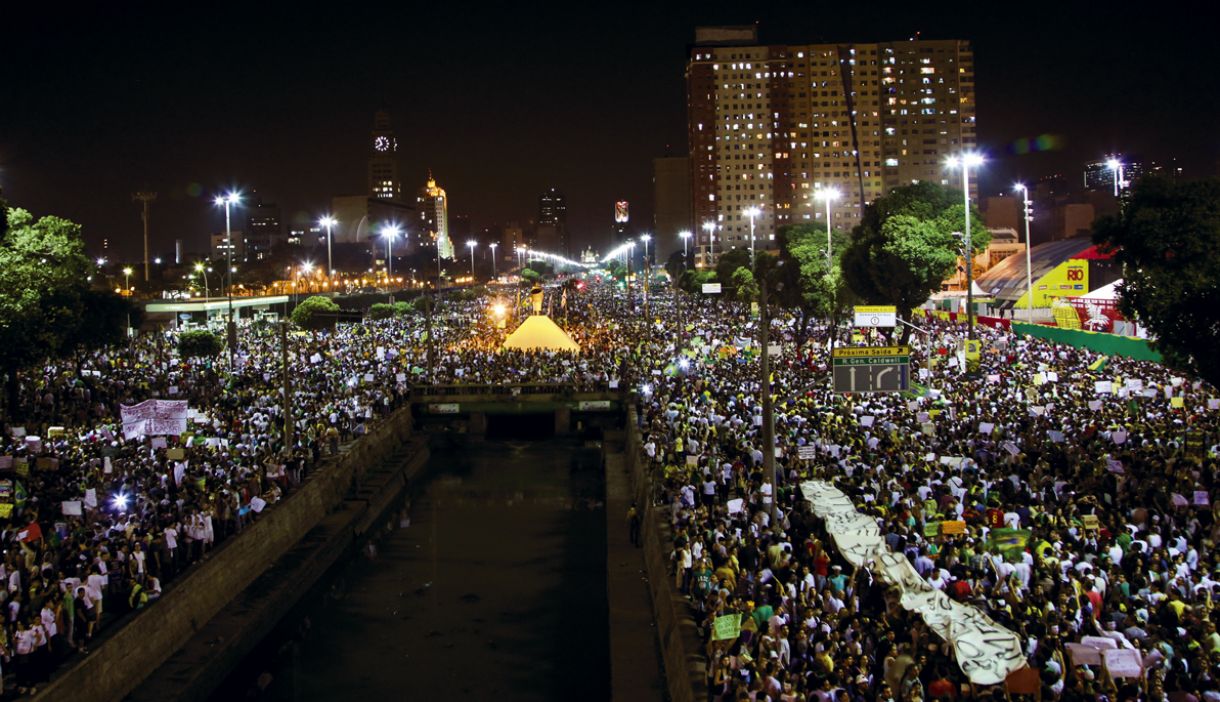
(1068, 496)
(1065, 495)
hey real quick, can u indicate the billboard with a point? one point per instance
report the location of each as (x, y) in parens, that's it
(620, 211)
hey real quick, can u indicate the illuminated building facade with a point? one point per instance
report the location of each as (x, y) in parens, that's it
(770, 125)
(433, 206)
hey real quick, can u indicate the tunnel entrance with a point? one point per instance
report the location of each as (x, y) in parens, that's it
(534, 426)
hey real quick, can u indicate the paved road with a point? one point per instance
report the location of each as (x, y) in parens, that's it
(496, 590)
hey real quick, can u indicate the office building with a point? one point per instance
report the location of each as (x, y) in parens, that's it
(552, 230)
(433, 207)
(770, 125)
(264, 229)
(384, 183)
(671, 203)
(220, 248)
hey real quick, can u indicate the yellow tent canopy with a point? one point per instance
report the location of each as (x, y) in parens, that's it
(538, 332)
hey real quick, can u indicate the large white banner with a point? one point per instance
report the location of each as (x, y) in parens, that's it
(154, 418)
(986, 651)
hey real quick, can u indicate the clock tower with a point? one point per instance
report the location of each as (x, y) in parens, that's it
(383, 159)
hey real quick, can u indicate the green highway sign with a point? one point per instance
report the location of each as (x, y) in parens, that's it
(871, 369)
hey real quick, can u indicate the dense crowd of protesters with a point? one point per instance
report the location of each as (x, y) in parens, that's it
(1109, 491)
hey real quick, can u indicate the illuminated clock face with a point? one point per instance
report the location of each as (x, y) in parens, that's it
(381, 143)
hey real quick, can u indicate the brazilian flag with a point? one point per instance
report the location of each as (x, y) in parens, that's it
(1099, 365)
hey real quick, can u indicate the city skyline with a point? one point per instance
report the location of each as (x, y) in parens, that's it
(97, 115)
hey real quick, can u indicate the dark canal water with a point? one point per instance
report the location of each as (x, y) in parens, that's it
(496, 590)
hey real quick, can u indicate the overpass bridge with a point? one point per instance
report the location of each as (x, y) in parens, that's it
(533, 409)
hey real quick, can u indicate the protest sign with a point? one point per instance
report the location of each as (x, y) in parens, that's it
(71, 508)
(726, 627)
(153, 417)
(1123, 663)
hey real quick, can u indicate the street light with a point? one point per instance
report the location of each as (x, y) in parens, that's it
(390, 232)
(200, 268)
(966, 161)
(684, 235)
(645, 238)
(1116, 168)
(328, 222)
(1029, 287)
(127, 278)
(472, 244)
(827, 195)
(751, 212)
(710, 228)
(493, 246)
(227, 201)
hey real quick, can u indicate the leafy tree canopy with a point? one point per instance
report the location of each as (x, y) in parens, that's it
(1167, 239)
(315, 312)
(199, 343)
(906, 245)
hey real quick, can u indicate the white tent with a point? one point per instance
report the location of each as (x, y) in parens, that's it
(1106, 292)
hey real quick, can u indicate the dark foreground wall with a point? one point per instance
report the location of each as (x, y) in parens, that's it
(117, 666)
(681, 647)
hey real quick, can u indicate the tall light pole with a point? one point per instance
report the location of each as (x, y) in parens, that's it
(228, 201)
(473, 245)
(145, 197)
(390, 232)
(710, 228)
(647, 270)
(1029, 286)
(200, 268)
(328, 222)
(1116, 168)
(751, 212)
(966, 161)
(684, 235)
(827, 195)
(127, 279)
(493, 246)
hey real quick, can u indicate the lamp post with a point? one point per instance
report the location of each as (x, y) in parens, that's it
(967, 161)
(1029, 287)
(227, 201)
(710, 228)
(751, 212)
(493, 246)
(647, 269)
(200, 268)
(472, 244)
(827, 195)
(684, 235)
(390, 232)
(1116, 168)
(127, 279)
(328, 222)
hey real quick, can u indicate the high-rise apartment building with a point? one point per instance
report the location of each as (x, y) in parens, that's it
(551, 234)
(433, 208)
(383, 159)
(670, 202)
(768, 126)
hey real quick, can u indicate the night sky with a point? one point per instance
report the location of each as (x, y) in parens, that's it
(506, 102)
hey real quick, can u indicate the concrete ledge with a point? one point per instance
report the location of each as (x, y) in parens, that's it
(134, 651)
(681, 646)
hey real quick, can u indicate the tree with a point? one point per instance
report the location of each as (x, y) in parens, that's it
(315, 312)
(199, 343)
(728, 263)
(906, 246)
(43, 283)
(745, 286)
(1167, 239)
(812, 287)
(692, 279)
(530, 275)
(380, 310)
